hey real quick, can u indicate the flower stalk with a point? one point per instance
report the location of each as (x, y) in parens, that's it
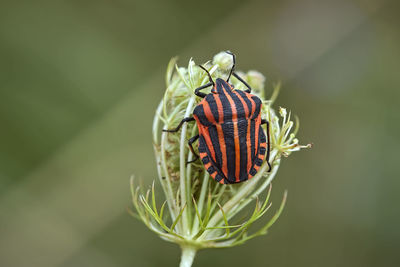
(187, 257)
(198, 212)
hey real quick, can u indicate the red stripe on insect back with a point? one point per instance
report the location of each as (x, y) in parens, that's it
(214, 174)
(263, 145)
(248, 141)
(236, 134)
(207, 165)
(237, 152)
(203, 155)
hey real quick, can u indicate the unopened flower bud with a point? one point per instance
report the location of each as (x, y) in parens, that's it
(223, 60)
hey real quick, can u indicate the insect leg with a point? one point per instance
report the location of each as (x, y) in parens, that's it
(200, 94)
(190, 142)
(233, 66)
(269, 143)
(240, 79)
(179, 125)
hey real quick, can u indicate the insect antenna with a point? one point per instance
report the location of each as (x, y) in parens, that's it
(209, 75)
(233, 66)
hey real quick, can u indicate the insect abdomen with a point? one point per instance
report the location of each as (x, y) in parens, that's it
(233, 148)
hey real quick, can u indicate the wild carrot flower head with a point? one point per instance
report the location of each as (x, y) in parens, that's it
(196, 212)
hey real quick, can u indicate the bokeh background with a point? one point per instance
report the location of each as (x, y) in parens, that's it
(79, 83)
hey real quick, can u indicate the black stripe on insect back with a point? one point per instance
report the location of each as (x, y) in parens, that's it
(261, 150)
(252, 139)
(226, 108)
(222, 94)
(213, 106)
(212, 131)
(246, 99)
(202, 145)
(229, 136)
(205, 160)
(262, 137)
(258, 106)
(238, 105)
(218, 177)
(242, 127)
(199, 112)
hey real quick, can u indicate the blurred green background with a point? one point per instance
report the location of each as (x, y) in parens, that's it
(79, 83)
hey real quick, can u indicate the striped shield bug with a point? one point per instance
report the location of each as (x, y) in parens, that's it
(232, 142)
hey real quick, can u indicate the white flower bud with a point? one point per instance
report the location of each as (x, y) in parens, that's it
(223, 60)
(255, 79)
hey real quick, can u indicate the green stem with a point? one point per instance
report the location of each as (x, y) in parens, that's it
(201, 202)
(187, 257)
(184, 182)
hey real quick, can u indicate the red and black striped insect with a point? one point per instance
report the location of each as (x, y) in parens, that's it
(232, 143)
